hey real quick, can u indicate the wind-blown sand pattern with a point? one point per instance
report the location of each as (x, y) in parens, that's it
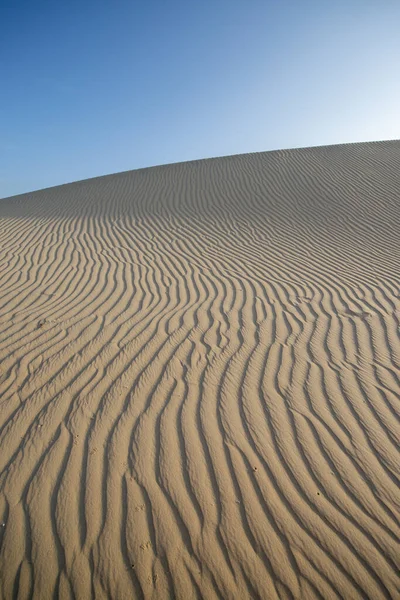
(200, 386)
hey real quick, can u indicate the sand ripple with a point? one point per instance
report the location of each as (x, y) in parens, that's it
(199, 381)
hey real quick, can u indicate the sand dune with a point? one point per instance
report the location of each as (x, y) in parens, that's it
(199, 381)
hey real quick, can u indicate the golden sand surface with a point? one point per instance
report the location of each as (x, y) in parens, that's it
(199, 381)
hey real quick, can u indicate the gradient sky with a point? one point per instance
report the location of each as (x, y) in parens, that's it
(95, 87)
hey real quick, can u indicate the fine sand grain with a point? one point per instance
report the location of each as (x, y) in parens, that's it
(199, 381)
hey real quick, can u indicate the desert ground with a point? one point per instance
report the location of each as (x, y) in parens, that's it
(199, 381)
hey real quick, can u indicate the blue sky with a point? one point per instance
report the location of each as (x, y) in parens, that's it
(89, 88)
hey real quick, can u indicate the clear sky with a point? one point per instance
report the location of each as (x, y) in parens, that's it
(95, 87)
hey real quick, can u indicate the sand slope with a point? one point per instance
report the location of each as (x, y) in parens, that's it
(199, 381)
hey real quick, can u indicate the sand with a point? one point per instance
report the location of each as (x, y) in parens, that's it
(199, 380)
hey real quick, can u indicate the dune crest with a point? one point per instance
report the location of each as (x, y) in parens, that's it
(199, 380)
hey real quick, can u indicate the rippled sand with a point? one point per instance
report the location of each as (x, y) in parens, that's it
(199, 381)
